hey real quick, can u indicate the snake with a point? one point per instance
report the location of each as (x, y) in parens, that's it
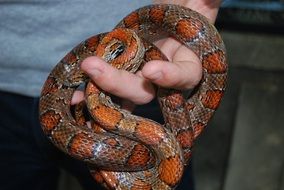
(122, 150)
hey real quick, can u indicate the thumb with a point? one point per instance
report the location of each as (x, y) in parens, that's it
(118, 82)
(178, 75)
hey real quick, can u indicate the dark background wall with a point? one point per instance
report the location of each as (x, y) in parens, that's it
(243, 145)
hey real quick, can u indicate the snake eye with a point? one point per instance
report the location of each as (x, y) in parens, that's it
(116, 50)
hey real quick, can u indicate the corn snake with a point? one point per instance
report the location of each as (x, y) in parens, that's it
(126, 151)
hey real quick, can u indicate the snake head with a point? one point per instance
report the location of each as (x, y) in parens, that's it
(122, 48)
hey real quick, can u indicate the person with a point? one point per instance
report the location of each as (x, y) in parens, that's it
(34, 35)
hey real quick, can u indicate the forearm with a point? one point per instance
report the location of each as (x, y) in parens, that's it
(208, 8)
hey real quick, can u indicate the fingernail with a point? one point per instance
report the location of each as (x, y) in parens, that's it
(155, 76)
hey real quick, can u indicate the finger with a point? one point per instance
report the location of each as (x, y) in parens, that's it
(118, 82)
(185, 73)
(78, 96)
(168, 46)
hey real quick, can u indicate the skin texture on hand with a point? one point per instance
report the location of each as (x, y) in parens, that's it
(183, 71)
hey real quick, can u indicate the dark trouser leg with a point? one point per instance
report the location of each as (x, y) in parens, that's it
(27, 159)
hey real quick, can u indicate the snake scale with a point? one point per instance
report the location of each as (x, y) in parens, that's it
(125, 151)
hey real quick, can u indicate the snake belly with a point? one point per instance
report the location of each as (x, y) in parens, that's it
(125, 151)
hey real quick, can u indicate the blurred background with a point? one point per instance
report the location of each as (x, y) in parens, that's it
(242, 147)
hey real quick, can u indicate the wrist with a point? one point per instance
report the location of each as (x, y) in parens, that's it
(208, 8)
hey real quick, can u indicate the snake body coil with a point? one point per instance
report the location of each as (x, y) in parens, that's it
(126, 151)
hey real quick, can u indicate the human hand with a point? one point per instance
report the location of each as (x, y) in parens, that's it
(182, 71)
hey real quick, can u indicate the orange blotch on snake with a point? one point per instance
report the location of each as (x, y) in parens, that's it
(188, 28)
(92, 43)
(154, 54)
(215, 62)
(140, 184)
(97, 176)
(174, 101)
(157, 14)
(198, 128)
(140, 156)
(92, 89)
(171, 170)
(185, 138)
(107, 116)
(49, 120)
(81, 146)
(149, 133)
(212, 98)
(132, 20)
